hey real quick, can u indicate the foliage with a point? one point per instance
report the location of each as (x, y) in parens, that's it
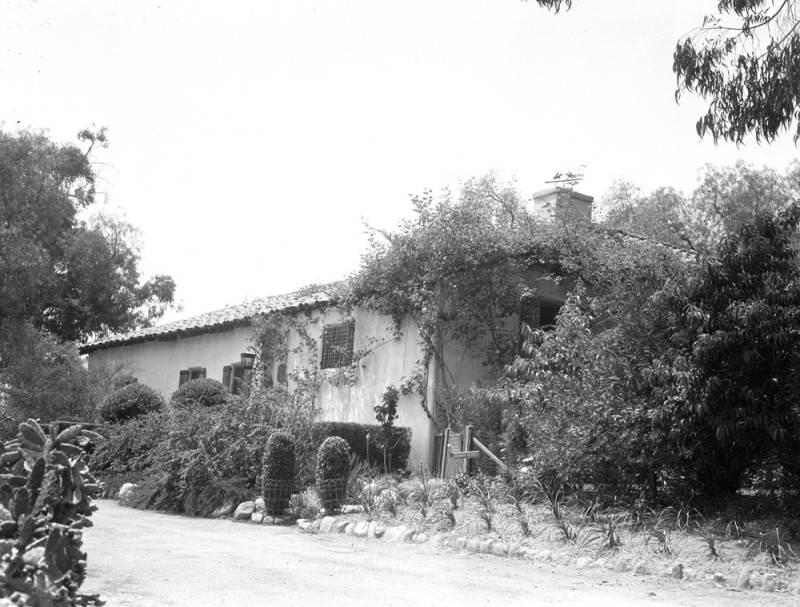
(332, 472)
(479, 408)
(129, 446)
(45, 501)
(745, 69)
(279, 457)
(365, 441)
(289, 405)
(61, 278)
(129, 402)
(726, 198)
(333, 458)
(457, 270)
(385, 414)
(660, 215)
(70, 277)
(204, 392)
(200, 459)
(578, 405)
(729, 382)
(487, 494)
(46, 379)
(743, 60)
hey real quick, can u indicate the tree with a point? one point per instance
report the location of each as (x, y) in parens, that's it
(659, 216)
(731, 379)
(725, 199)
(745, 60)
(74, 278)
(62, 278)
(730, 197)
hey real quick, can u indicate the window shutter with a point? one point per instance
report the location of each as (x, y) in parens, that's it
(226, 376)
(247, 377)
(183, 377)
(282, 373)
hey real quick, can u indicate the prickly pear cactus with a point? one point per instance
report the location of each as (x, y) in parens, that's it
(46, 493)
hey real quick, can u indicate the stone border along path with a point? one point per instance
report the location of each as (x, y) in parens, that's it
(253, 511)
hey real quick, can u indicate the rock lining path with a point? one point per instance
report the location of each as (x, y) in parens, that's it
(142, 559)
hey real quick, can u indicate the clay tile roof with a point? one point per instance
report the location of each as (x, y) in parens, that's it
(217, 320)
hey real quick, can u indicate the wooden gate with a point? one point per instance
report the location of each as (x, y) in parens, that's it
(452, 453)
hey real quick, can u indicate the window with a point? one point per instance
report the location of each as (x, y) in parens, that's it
(191, 373)
(337, 345)
(547, 314)
(236, 378)
(537, 314)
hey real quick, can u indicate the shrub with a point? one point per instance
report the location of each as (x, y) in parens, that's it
(279, 457)
(126, 452)
(45, 499)
(278, 476)
(129, 402)
(332, 467)
(208, 458)
(200, 393)
(365, 441)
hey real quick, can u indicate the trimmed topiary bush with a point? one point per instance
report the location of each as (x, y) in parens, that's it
(200, 393)
(278, 475)
(129, 402)
(332, 467)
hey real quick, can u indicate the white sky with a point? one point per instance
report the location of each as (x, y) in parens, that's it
(248, 139)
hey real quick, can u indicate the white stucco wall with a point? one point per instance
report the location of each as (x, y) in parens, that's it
(393, 360)
(390, 361)
(158, 363)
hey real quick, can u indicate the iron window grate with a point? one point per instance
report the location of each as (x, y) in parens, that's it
(337, 345)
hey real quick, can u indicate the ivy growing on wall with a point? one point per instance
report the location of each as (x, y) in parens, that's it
(460, 267)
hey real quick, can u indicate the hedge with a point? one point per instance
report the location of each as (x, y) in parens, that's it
(356, 437)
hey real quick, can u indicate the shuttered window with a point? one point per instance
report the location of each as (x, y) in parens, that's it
(236, 378)
(191, 373)
(337, 345)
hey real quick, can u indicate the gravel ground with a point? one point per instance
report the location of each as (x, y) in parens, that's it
(140, 558)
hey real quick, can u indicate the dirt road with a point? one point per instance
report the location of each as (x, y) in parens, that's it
(148, 559)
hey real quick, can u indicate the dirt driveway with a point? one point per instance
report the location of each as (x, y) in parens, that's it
(147, 559)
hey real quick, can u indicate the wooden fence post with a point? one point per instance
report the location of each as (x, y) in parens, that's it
(445, 449)
(467, 446)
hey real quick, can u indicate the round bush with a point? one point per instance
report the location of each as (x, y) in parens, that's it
(200, 393)
(278, 473)
(332, 468)
(129, 402)
(333, 458)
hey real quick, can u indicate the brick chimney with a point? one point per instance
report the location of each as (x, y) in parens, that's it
(556, 201)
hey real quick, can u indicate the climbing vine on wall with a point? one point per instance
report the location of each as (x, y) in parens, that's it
(459, 268)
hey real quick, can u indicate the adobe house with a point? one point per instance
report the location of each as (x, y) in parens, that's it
(361, 341)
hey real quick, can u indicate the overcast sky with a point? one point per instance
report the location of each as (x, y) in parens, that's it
(249, 139)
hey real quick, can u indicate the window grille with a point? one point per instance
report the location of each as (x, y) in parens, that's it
(337, 345)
